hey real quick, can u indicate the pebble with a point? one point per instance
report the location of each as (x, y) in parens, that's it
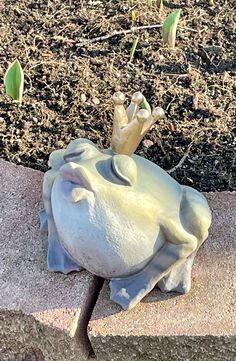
(95, 101)
(83, 98)
(147, 143)
(96, 61)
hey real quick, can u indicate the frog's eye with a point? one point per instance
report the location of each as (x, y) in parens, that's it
(81, 151)
(124, 168)
(56, 159)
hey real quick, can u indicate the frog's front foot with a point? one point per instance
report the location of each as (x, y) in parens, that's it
(58, 259)
(43, 220)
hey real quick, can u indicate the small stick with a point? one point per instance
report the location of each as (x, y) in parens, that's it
(182, 160)
(123, 32)
(176, 74)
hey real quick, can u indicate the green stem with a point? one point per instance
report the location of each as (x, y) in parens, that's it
(160, 4)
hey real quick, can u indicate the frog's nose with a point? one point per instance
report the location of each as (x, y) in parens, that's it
(124, 167)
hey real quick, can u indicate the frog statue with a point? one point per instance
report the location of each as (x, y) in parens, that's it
(120, 216)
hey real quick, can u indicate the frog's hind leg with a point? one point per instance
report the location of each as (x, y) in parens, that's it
(179, 245)
(179, 278)
(195, 217)
(58, 259)
(183, 234)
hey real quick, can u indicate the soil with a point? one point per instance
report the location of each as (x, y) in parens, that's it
(70, 79)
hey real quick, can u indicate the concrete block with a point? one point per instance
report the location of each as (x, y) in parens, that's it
(170, 327)
(42, 314)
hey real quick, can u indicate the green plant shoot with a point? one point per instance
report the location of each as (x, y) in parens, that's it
(169, 28)
(145, 105)
(14, 81)
(133, 49)
(149, 2)
(211, 2)
(133, 15)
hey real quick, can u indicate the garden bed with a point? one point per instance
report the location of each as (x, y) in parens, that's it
(70, 79)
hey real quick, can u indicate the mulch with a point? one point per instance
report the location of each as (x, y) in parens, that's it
(70, 79)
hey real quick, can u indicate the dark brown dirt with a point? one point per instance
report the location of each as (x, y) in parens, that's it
(68, 86)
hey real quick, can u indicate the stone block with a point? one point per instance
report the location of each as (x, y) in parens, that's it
(42, 314)
(197, 326)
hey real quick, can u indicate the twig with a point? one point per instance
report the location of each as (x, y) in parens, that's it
(123, 32)
(172, 100)
(116, 33)
(176, 74)
(190, 29)
(182, 160)
(58, 12)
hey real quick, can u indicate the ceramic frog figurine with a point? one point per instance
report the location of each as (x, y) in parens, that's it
(120, 216)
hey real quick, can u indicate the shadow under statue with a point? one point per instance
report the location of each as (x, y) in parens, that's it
(120, 216)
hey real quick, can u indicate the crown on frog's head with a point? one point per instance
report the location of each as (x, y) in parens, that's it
(131, 124)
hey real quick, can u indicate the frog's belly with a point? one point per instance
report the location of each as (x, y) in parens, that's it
(101, 242)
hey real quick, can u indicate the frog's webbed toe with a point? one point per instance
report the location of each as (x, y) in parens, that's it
(58, 259)
(43, 220)
(126, 291)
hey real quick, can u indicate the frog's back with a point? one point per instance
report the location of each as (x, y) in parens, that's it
(157, 182)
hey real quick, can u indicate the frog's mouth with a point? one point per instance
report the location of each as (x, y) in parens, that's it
(76, 174)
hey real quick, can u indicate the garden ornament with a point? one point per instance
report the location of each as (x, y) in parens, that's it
(120, 216)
